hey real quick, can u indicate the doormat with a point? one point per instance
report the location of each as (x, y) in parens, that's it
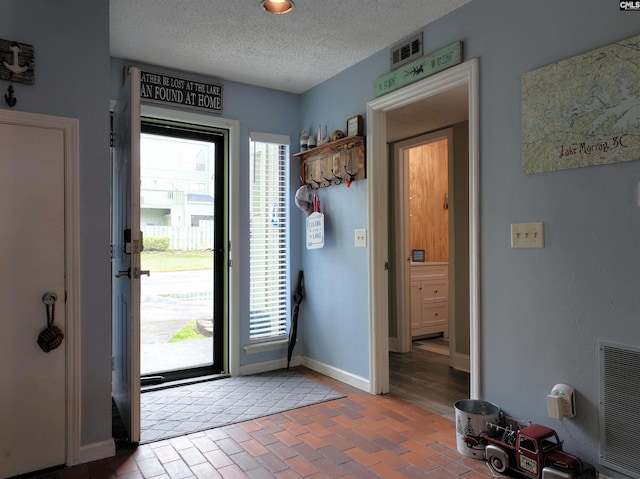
(182, 410)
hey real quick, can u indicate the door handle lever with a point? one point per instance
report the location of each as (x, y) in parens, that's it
(126, 273)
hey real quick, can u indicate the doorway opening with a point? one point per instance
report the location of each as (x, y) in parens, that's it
(182, 222)
(427, 213)
(127, 244)
(429, 310)
(380, 112)
(421, 240)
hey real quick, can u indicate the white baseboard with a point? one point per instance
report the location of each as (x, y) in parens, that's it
(461, 362)
(97, 450)
(257, 368)
(338, 374)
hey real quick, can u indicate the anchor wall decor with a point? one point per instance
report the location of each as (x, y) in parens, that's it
(16, 65)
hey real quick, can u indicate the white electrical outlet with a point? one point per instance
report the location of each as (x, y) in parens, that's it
(527, 235)
(361, 238)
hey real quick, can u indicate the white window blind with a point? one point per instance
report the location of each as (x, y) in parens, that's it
(269, 235)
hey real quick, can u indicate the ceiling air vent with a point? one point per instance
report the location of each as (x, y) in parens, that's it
(405, 51)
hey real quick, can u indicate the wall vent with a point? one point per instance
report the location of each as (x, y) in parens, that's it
(620, 408)
(405, 51)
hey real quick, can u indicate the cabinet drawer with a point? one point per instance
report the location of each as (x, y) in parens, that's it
(435, 313)
(429, 271)
(434, 290)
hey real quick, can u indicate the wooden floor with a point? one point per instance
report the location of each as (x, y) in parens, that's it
(359, 436)
(425, 378)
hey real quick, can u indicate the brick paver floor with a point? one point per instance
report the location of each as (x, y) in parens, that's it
(359, 436)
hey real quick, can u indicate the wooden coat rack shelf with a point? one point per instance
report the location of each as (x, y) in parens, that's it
(336, 162)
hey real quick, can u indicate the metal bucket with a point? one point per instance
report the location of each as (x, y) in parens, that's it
(472, 419)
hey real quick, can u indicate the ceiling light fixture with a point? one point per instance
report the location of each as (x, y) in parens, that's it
(277, 6)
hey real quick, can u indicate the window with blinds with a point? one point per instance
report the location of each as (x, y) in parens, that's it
(268, 236)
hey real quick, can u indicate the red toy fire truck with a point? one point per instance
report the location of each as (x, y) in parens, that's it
(534, 451)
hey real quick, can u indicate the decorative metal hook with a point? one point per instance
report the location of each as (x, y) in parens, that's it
(314, 180)
(352, 176)
(10, 98)
(339, 178)
(328, 180)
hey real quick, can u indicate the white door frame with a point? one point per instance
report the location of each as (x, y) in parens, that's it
(72, 335)
(377, 215)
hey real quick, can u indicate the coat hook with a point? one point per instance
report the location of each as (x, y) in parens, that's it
(339, 178)
(328, 180)
(352, 176)
(314, 180)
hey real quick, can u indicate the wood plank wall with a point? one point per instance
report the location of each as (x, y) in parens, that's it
(428, 197)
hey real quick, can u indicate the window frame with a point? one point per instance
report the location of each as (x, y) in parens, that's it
(279, 335)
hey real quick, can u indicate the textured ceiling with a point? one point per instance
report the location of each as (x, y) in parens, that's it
(236, 40)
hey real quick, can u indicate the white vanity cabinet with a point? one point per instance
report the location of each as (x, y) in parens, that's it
(429, 299)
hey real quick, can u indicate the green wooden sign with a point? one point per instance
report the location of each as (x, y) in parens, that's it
(422, 68)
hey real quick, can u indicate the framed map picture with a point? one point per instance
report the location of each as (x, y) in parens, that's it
(583, 111)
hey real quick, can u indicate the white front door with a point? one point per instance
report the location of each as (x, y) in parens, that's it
(126, 255)
(32, 255)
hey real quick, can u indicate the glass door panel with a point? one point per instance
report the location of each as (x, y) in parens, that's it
(179, 310)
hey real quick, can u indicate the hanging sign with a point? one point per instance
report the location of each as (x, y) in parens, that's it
(168, 89)
(419, 69)
(315, 230)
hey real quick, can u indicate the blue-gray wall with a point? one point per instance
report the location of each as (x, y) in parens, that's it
(336, 307)
(542, 311)
(71, 42)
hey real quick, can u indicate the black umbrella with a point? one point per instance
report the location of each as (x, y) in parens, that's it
(298, 296)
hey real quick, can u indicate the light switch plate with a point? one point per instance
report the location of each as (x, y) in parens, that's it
(361, 238)
(527, 235)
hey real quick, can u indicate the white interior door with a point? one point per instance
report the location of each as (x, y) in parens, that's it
(32, 254)
(126, 255)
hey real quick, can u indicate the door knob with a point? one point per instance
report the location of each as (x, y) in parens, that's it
(51, 337)
(49, 298)
(139, 273)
